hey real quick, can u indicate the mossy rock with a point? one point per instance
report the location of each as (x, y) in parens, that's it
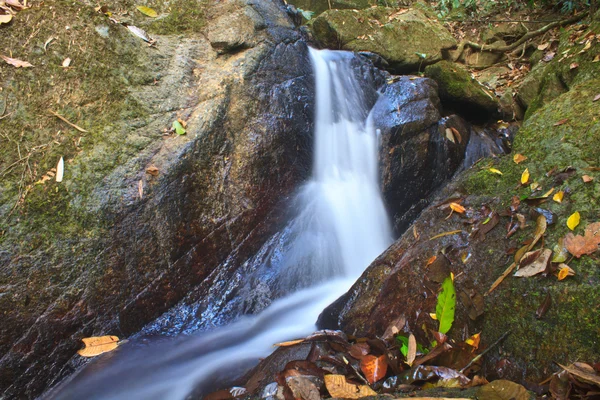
(407, 40)
(461, 93)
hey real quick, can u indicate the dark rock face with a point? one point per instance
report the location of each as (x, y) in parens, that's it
(417, 155)
(218, 196)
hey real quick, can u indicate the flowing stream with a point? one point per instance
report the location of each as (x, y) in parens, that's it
(344, 227)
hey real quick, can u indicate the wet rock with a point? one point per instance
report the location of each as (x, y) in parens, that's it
(399, 283)
(409, 41)
(461, 93)
(417, 155)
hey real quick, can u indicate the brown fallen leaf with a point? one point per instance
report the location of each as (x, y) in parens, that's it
(373, 367)
(586, 179)
(152, 170)
(289, 343)
(583, 372)
(97, 345)
(338, 387)
(503, 390)
(540, 229)
(457, 208)
(597, 97)
(535, 266)
(15, 62)
(586, 244)
(457, 135)
(561, 122)
(573, 65)
(544, 307)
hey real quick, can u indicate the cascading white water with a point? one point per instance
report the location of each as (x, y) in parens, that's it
(344, 227)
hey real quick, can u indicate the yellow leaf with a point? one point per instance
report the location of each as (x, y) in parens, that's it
(5, 19)
(495, 171)
(147, 11)
(558, 197)
(534, 186)
(457, 207)
(573, 220)
(519, 158)
(97, 345)
(525, 176)
(473, 340)
(289, 343)
(548, 193)
(452, 276)
(433, 316)
(445, 234)
(338, 387)
(564, 271)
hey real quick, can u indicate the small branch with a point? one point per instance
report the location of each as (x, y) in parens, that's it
(523, 39)
(67, 121)
(477, 358)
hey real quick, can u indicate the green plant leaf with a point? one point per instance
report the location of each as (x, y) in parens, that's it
(446, 303)
(404, 347)
(179, 129)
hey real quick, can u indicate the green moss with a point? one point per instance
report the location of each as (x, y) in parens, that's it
(183, 16)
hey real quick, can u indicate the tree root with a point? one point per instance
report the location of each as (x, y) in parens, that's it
(501, 49)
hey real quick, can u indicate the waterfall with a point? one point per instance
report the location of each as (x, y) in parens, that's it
(340, 228)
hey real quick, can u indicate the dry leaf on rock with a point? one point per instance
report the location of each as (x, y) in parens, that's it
(147, 11)
(412, 350)
(583, 372)
(533, 263)
(561, 122)
(152, 170)
(587, 178)
(457, 208)
(503, 390)
(338, 387)
(586, 244)
(16, 63)
(96, 345)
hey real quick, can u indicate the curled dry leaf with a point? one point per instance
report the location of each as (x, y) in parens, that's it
(338, 387)
(564, 271)
(534, 263)
(97, 345)
(16, 63)
(587, 244)
(152, 170)
(450, 135)
(457, 208)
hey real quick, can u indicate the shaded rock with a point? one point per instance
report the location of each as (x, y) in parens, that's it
(461, 93)
(400, 283)
(397, 36)
(318, 6)
(506, 31)
(481, 59)
(112, 246)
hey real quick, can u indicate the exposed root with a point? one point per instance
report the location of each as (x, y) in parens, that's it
(529, 35)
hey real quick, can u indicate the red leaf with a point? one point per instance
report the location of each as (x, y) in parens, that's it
(373, 367)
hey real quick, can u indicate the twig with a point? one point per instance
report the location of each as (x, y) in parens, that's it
(67, 121)
(7, 115)
(523, 39)
(462, 371)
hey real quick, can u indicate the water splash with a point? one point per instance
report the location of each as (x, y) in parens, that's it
(340, 228)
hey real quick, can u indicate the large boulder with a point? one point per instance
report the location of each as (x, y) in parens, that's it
(402, 284)
(406, 39)
(461, 93)
(142, 214)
